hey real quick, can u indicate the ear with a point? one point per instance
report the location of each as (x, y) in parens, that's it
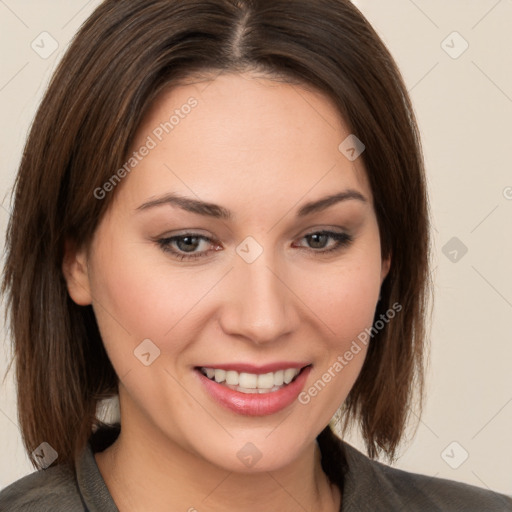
(75, 270)
(385, 266)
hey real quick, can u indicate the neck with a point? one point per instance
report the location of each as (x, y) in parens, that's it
(149, 472)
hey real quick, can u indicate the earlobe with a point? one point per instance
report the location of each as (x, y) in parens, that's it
(75, 270)
(386, 265)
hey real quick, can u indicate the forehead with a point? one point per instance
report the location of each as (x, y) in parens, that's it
(239, 135)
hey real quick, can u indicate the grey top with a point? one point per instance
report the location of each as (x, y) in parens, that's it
(367, 486)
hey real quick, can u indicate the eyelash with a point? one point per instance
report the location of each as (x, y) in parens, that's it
(342, 240)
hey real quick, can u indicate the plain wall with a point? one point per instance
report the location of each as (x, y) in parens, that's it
(463, 102)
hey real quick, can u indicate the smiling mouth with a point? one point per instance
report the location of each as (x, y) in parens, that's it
(252, 383)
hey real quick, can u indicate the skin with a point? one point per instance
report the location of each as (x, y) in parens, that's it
(261, 149)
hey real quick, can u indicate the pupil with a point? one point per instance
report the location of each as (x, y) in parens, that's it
(315, 240)
(188, 244)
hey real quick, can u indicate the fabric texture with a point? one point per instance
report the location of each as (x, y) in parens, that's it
(367, 486)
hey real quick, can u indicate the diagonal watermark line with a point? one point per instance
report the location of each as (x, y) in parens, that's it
(7, 192)
(198, 402)
(4, 4)
(6, 210)
(278, 425)
(76, 14)
(170, 170)
(15, 424)
(485, 485)
(212, 287)
(424, 76)
(500, 495)
(210, 81)
(300, 198)
(491, 212)
(217, 486)
(492, 81)
(300, 300)
(285, 490)
(125, 374)
(423, 423)
(502, 296)
(510, 400)
(207, 79)
(113, 317)
(486, 14)
(14, 76)
(424, 13)
(313, 108)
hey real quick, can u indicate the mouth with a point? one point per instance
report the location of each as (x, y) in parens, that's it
(254, 393)
(252, 383)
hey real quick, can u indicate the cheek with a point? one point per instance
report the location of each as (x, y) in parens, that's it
(348, 303)
(147, 301)
(344, 295)
(138, 298)
(343, 298)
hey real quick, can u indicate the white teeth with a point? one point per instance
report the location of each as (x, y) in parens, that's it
(279, 378)
(289, 374)
(232, 378)
(265, 380)
(248, 380)
(251, 382)
(220, 375)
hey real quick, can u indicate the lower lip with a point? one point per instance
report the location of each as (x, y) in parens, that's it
(256, 404)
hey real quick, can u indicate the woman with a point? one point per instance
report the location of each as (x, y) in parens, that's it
(221, 217)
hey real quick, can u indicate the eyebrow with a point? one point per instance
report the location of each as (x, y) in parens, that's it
(213, 210)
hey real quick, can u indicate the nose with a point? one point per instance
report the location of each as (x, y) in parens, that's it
(259, 304)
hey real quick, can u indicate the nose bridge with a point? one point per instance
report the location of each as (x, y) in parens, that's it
(260, 306)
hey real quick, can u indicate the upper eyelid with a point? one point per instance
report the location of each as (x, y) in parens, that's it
(311, 231)
(173, 238)
(213, 239)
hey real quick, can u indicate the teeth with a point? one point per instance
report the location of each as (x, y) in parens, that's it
(266, 380)
(289, 375)
(220, 375)
(248, 382)
(231, 377)
(279, 378)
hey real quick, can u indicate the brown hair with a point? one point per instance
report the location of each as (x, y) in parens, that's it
(124, 55)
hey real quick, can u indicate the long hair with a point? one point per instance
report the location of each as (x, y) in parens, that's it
(124, 55)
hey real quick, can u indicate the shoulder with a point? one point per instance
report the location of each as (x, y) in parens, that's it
(370, 482)
(54, 489)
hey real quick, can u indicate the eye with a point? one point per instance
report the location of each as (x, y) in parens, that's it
(318, 241)
(185, 246)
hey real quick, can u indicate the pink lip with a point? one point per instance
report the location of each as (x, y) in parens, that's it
(250, 368)
(255, 404)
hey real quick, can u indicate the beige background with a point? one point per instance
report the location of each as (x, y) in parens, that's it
(464, 107)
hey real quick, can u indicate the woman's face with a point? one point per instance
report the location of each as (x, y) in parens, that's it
(264, 283)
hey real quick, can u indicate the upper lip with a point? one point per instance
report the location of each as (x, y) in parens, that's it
(251, 368)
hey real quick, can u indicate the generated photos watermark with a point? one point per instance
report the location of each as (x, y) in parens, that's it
(343, 360)
(44, 455)
(152, 141)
